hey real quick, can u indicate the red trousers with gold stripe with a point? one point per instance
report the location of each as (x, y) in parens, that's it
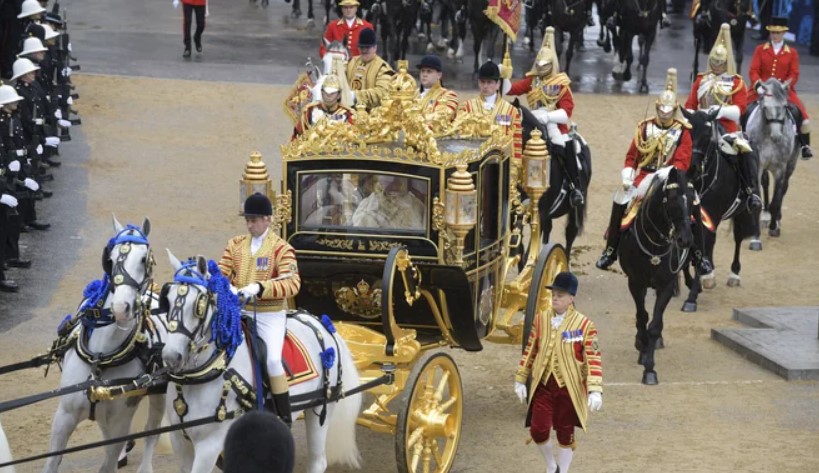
(552, 408)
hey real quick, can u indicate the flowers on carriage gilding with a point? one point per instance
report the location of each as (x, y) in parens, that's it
(226, 325)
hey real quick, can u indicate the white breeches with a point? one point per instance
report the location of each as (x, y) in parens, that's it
(271, 327)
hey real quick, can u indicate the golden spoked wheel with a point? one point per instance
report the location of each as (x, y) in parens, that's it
(551, 260)
(429, 418)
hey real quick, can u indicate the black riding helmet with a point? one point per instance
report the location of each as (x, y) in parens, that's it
(258, 205)
(489, 71)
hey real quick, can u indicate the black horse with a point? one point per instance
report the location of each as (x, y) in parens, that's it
(652, 251)
(483, 29)
(718, 182)
(567, 16)
(605, 10)
(637, 18)
(554, 203)
(534, 13)
(396, 20)
(708, 23)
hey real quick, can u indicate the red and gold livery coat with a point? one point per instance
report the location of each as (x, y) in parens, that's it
(503, 114)
(784, 66)
(654, 146)
(439, 100)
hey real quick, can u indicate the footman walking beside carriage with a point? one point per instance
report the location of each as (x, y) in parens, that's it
(563, 359)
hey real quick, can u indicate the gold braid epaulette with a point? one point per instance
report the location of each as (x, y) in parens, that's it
(648, 146)
(731, 94)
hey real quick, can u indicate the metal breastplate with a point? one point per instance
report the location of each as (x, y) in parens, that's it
(543, 95)
(716, 91)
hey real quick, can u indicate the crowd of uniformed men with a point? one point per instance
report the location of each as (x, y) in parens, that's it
(35, 117)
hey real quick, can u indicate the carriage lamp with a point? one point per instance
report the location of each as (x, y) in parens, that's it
(536, 165)
(461, 212)
(254, 179)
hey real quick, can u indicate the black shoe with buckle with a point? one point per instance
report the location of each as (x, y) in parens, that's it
(187, 53)
(7, 285)
(19, 263)
(807, 153)
(38, 225)
(607, 259)
(199, 48)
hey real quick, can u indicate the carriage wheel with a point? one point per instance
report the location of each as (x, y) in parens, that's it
(551, 260)
(429, 418)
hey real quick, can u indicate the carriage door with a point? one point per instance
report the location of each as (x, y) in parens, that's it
(489, 243)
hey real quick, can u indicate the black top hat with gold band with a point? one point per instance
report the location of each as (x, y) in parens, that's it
(778, 24)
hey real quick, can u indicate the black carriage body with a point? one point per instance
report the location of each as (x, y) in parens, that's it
(342, 249)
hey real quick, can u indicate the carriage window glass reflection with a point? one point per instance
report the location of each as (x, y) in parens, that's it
(363, 201)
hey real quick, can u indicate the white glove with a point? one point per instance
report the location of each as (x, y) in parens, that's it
(628, 177)
(352, 95)
(250, 291)
(66, 72)
(175, 3)
(21, 152)
(14, 166)
(520, 390)
(39, 149)
(52, 141)
(760, 90)
(558, 116)
(234, 290)
(58, 113)
(8, 200)
(541, 115)
(730, 112)
(31, 184)
(69, 101)
(64, 123)
(595, 401)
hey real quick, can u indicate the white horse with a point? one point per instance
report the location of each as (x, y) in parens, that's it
(772, 131)
(204, 325)
(116, 313)
(5, 452)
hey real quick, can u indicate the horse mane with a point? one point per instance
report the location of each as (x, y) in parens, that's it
(775, 88)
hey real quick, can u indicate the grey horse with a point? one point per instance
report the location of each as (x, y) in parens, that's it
(772, 131)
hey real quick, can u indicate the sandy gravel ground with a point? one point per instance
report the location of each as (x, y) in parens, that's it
(174, 151)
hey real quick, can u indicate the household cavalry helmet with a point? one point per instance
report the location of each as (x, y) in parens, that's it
(348, 3)
(723, 51)
(546, 55)
(666, 103)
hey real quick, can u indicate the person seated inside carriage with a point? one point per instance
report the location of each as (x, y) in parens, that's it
(550, 99)
(391, 205)
(328, 108)
(722, 90)
(662, 140)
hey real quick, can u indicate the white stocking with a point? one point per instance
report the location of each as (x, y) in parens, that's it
(546, 449)
(564, 458)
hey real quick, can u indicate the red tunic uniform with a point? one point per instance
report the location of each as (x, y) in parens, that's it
(702, 96)
(674, 148)
(784, 66)
(338, 31)
(549, 93)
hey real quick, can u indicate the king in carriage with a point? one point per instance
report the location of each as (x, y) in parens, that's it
(550, 99)
(721, 89)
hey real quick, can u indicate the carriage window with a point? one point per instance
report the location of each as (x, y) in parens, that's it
(363, 200)
(490, 205)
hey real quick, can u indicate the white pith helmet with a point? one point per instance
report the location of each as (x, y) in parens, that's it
(22, 67)
(32, 45)
(50, 32)
(8, 95)
(30, 7)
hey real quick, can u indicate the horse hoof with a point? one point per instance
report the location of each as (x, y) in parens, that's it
(689, 307)
(765, 216)
(430, 47)
(450, 53)
(311, 23)
(659, 344)
(755, 245)
(709, 281)
(627, 76)
(650, 378)
(617, 76)
(526, 41)
(607, 48)
(774, 232)
(734, 280)
(643, 88)
(601, 43)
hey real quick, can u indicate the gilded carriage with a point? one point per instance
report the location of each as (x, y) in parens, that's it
(407, 229)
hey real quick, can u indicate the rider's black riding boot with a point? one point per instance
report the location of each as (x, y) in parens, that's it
(609, 255)
(806, 151)
(281, 398)
(750, 184)
(569, 161)
(701, 261)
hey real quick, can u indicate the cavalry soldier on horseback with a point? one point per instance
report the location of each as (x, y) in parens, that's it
(660, 141)
(369, 75)
(721, 88)
(346, 29)
(264, 267)
(563, 360)
(491, 106)
(550, 99)
(329, 107)
(435, 99)
(777, 59)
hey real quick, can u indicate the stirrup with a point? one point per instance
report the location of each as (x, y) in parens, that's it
(607, 259)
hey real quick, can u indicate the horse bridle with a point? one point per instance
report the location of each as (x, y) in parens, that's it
(187, 281)
(122, 245)
(712, 143)
(669, 240)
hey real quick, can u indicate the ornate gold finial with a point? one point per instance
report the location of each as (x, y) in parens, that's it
(403, 85)
(255, 169)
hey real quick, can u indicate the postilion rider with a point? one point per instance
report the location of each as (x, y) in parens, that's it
(368, 75)
(721, 88)
(550, 99)
(346, 29)
(264, 267)
(659, 141)
(563, 360)
(489, 105)
(329, 107)
(777, 59)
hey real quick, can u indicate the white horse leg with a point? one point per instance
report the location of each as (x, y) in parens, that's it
(207, 451)
(64, 423)
(5, 452)
(155, 413)
(734, 280)
(183, 450)
(765, 217)
(317, 440)
(115, 422)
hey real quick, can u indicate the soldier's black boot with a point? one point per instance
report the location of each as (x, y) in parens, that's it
(569, 161)
(609, 255)
(282, 402)
(748, 176)
(806, 151)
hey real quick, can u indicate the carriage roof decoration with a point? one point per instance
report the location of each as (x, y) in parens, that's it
(399, 129)
(547, 53)
(723, 50)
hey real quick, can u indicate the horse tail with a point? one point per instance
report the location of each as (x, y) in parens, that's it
(341, 443)
(5, 452)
